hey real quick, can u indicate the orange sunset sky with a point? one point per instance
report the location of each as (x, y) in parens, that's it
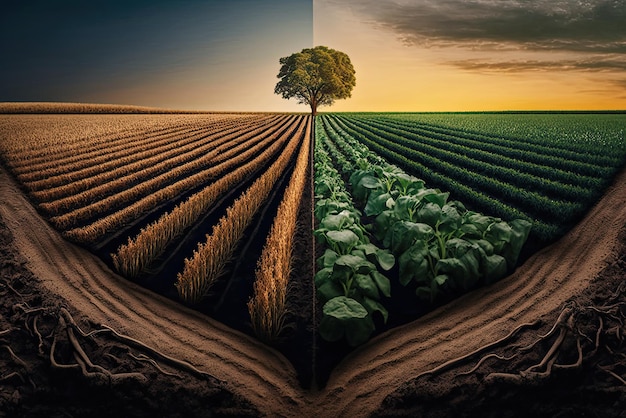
(450, 55)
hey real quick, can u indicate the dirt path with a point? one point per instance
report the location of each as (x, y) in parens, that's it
(361, 382)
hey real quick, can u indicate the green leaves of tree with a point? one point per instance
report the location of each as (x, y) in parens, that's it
(316, 76)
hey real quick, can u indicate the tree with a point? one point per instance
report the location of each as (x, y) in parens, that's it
(316, 77)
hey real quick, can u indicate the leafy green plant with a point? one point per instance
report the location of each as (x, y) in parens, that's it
(348, 282)
(440, 245)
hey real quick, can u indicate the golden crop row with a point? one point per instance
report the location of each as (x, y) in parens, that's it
(74, 179)
(72, 195)
(132, 258)
(209, 260)
(185, 171)
(138, 206)
(268, 306)
(48, 169)
(87, 160)
(49, 138)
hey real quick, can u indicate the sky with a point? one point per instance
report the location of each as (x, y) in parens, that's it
(409, 55)
(473, 55)
(184, 54)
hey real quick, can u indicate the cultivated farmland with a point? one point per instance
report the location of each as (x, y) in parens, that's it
(174, 201)
(215, 211)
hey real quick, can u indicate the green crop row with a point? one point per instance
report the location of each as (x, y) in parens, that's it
(464, 186)
(349, 283)
(567, 183)
(440, 247)
(589, 138)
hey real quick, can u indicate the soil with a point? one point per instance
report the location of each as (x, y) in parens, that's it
(78, 340)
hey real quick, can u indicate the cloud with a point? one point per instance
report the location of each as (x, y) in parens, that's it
(598, 64)
(620, 84)
(507, 35)
(576, 25)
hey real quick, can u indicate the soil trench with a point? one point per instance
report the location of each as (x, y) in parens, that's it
(360, 383)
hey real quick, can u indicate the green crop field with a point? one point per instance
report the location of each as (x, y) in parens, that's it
(442, 203)
(548, 168)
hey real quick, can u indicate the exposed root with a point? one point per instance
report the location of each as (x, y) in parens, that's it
(11, 376)
(53, 361)
(143, 357)
(39, 337)
(181, 364)
(16, 359)
(459, 360)
(6, 331)
(589, 328)
(8, 286)
(578, 362)
(90, 370)
(93, 371)
(485, 358)
(26, 309)
(615, 375)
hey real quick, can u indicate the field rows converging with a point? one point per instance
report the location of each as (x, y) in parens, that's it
(143, 192)
(391, 214)
(544, 179)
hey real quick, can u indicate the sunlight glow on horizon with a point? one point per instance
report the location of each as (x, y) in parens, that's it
(393, 75)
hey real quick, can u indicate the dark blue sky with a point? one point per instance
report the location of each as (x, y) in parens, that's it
(189, 54)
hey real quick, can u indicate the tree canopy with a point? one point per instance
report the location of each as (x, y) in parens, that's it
(316, 77)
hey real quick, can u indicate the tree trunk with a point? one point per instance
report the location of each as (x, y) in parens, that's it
(314, 107)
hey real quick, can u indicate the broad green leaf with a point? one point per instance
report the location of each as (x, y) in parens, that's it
(407, 184)
(328, 259)
(339, 221)
(375, 306)
(441, 279)
(370, 182)
(354, 264)
(343, 308)
(413, 264)
(433, 196)
(359, 331)
(520, 229)
(385, 259)
(382, 223)
(450, 220)
(494, 267)
(367, 285)
(329, 290)
(470, 231)
(464, 269)
(383, 283)
(331, 329)
(500, 231)
(481, 222)
(424, 293)
(429, 214)
(324, 207)
(323, 276)
(342, 241)
(404, 234)
(485, 245)
(377, 203)
(406, 207)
